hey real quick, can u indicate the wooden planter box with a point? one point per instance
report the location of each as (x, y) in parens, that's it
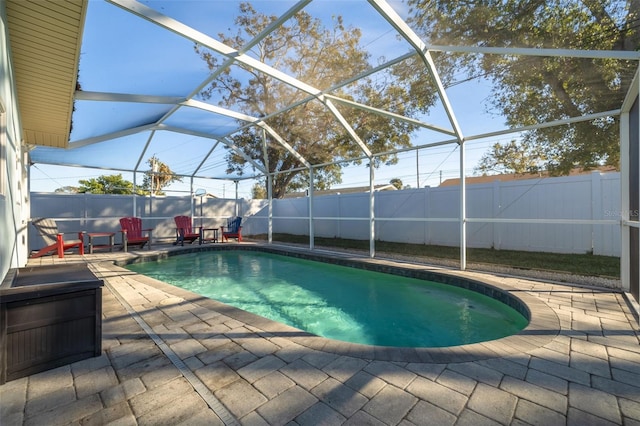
(49, 316)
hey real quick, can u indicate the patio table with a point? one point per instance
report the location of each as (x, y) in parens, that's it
(92, 235)
(213, 238)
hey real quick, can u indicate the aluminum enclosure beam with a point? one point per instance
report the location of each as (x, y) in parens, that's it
(412, 38)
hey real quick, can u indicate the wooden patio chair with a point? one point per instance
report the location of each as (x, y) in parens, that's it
(54, 239)
(185, 230)
(233, 229)
(133, 234)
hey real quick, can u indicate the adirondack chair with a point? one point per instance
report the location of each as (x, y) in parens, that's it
(133, 234)
(185, 231)
(233, 229)
(48, 230)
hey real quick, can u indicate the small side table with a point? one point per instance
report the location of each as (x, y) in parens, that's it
(212, 239)
(93, 235)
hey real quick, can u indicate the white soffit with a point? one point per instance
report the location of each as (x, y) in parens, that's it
(45, 40)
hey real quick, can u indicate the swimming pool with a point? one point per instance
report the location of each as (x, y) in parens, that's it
(339, 302)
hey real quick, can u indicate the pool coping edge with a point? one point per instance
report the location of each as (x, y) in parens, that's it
(543, 327)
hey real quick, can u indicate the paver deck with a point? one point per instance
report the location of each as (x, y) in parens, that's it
(170, 357)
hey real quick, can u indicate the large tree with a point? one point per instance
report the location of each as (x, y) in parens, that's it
(105, 184)
(528, 89)
(320, 57)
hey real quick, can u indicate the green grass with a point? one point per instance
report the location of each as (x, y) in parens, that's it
(579, 264)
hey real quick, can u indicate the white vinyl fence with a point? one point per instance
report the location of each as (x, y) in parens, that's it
(547, 214)
(101, 213)
(503, 215)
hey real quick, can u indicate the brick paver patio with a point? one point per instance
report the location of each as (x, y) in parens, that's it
(170, 357)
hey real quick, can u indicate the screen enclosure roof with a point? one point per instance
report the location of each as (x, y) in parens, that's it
(109, 84)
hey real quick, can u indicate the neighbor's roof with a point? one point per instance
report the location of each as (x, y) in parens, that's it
(509, 177)
(346, 190)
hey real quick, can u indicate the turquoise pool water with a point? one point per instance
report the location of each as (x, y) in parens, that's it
(339, 302)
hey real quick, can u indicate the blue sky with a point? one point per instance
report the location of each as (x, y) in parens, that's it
(122, 53)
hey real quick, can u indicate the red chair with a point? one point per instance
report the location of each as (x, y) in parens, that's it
(233, 229)
(55, 239)
(184, 230)
(132, 233)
